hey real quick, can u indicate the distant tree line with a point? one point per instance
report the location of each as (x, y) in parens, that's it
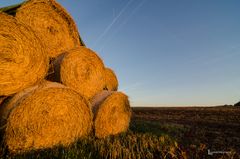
(237, 104)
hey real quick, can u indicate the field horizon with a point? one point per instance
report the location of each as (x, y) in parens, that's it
(157, 132)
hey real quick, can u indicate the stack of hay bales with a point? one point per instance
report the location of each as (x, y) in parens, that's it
(53, 89)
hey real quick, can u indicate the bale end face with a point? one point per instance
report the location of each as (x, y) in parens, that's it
(52, 23)
(112, 116)
(23, 59)
(83, 70)
(47, 117)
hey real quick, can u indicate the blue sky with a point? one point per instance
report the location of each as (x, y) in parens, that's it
(165, 52)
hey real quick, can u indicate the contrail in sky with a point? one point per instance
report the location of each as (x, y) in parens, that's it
(112, 23)
(124, 22)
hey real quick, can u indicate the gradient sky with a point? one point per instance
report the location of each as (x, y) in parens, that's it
(165, 52)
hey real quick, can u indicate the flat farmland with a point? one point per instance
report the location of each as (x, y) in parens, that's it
(209, 128)
(156, 133)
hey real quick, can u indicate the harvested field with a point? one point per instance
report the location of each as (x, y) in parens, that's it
(216, 127)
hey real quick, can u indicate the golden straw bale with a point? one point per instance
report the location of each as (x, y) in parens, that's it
(23, 59)
(112, 116)
(111, 80)
(13, 101)
(82, 70)
(47, 116)
(52, 24)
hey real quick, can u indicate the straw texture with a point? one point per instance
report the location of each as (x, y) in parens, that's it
(46, 116)
(111, 80)
(82, 70)
(13, 101)
(112, 116)
(23, 59)
(52, 24)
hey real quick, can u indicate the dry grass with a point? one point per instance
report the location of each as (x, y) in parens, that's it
(52, 23)
(83, 70)
(45, 116)
(112, 116)
(111, 80)
(23, 59)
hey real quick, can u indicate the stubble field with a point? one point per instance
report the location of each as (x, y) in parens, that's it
(207, 128)
(162, 132)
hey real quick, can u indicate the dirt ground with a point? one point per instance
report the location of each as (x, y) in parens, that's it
(215, 128)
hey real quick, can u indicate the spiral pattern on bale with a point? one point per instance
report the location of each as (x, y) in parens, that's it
(23, 59)
(111, 80)
(82, 70)
(52, 24)
(112, 116)
(46, 116)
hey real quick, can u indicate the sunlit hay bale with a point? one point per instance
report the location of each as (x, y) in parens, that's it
(82, 70)
(52, 23)
(112, 116)
(111, 80)
(23, 59)
(47, 116)
(12, 102)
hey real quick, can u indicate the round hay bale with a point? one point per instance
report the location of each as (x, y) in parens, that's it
(111, 80)
(52, 24)
(82, 70)
(112, 116)
(47, 116)
(23, 59)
